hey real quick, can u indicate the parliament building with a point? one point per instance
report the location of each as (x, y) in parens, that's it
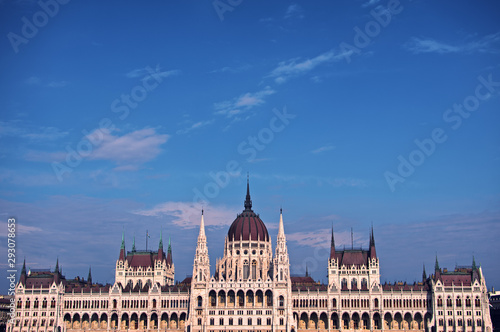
(251, 290)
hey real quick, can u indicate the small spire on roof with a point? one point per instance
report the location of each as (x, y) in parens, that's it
(89, 278)
(123, 238)
(307, 273)
(161, 238)
(436, 265)
(474, 267)
(23, 271)
(248, 201)
(169, 246)
(424, 275)
(56, 270)
(133, 245)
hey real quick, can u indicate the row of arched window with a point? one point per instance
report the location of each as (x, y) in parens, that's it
(458, 302)
(86, 304)
(36, 303)
(239, 299)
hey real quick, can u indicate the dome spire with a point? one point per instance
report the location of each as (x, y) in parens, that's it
(248, 201)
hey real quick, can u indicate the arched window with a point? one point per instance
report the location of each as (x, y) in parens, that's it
(375, 303)
(364, 283)
(477, 302)
(200, 301)
(354, 284)
(246, 272)
(344, 283)
(440, 302)
(459, 302)
(281, 301)
(254, 270)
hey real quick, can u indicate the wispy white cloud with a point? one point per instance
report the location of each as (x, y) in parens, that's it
(242, 103)
(33, 80)
(294, 10)
(232, 70)
(295, 67)
(301, 180)
(322, 238)
(370, 3)
(58, 84)
(486, 44)
(194, 126)
(146, 72)
(323, 149)
(188, 214)
(134, 148)
(16, 128)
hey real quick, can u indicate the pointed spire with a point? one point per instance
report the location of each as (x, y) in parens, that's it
(281, 229)
(169, 246)
(474, 266)
(123, 239)
(373, 252)
(307, 272)
(56, 270)
(133, 245)
(248, 201)
(424, 275)
(436, 265)
(161, 239)
(23, 271)
(332, 245)
(89, 278)
(202, 227)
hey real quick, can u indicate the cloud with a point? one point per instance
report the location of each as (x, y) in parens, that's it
(370, 3)
(298, 180)
(322, 238)
(294, 67)
(486, 44)
(294, 10)
(27, 131)
(33, 80)
(242, 103)
(188, 214)
(134, 148)
(146, 72)
(232, 70)
(194, 126)
(60, 84)
(323, 149)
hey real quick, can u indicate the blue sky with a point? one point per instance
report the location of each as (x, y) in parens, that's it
(131, 116)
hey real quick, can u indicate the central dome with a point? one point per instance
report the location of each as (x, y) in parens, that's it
(248, 225)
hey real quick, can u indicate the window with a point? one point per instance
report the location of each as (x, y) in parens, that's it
(199, 321)
(269, 321)
(477, 302)
(460, 322)
(240, 321)
(230, 321)
(450, 322)
(440, 302)
(354, 284)
(259, 321)
(221, 321)
(282, 321)
(469, 322)
(441, 323)
(212, 321)
(281, 301)
(479, 322)
(249, 321)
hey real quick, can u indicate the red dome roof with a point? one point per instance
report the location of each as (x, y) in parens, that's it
(248, 224)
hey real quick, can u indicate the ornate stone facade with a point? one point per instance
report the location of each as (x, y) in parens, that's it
(251, 290)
